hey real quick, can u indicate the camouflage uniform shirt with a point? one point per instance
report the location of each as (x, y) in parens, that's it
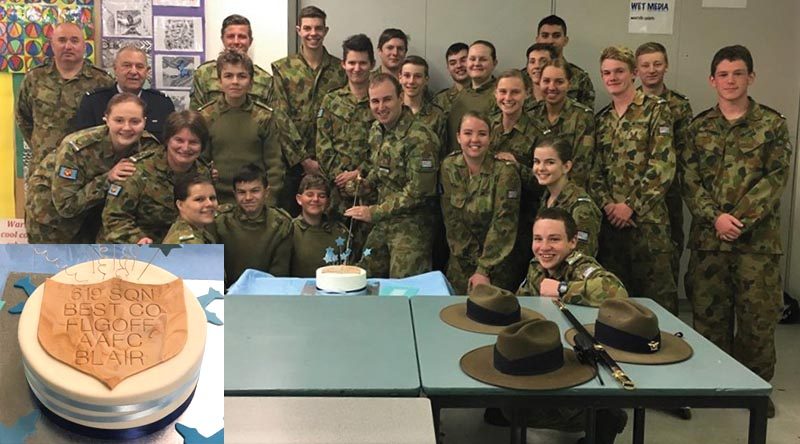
(588, 283)
(182, 232)
(47, 105)
(740, 168)
(635, 161)
(343, 126)
(430, 114)
(144, 205)
(444, 98)
(206, 86)
(577, 202)
(580, 89)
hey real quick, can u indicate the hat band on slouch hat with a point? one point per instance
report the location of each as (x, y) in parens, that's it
(537, 364)
(486, 316)
(614, 337)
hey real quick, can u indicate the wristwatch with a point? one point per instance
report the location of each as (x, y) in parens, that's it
(562, 289)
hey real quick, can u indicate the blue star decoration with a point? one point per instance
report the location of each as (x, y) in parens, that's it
(165, 248)
(207, 299)
(27, 286)
(346, 254)
(367, 252)
(340, 241)
(20, 431)
(329, 257)
(192, 436)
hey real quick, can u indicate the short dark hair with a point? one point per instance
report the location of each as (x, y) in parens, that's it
(650, 48)
(182, 184)
(552, 20)
(249, 173)
(487, 44)
(187, 119)
(561, 64)
(358, 43)
(542, 47)
(455, 48)
(731, 54)
(476, 115)
(392, 33)
(125, 97)
(231, 57)
(556, 213)
(311, 12)
(236, 19)
(415, 60)
(561, 146)
(313, 182)
(381, 77)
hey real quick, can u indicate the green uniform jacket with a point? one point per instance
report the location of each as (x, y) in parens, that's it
(469, 99)
(405, 163)
(430, 114)
(740, 168)
(144, 205)
(576, 125)
(47, 105)
(444, 98)
(576, 201)
(298, 91)
(182, 232)
(262, 243)
(310, 242)
(343, 126)
(251, 133)
(635, 161)
(580, 86)
(481, 212)
(588, 283)
(206, 86)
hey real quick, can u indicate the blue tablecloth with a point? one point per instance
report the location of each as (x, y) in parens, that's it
(255, 282)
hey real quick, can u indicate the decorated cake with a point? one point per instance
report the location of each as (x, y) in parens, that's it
(112, 348)
(341, 279)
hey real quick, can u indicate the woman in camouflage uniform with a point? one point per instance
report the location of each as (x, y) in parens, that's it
(141, 210)
(196, 201)
(480, 204)
(552, 161)
(66, 192)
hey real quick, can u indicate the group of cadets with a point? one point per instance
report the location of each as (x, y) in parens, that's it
(415, 175)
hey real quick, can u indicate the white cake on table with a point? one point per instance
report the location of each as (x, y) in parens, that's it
(341, 279)
(112, 348)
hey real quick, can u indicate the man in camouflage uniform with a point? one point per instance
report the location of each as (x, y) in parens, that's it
(244, 131)
(50, 94)
(236, 35)
(392, 49)
(255, 235)
(734, 170)
(414, 80)
(404, 169)
(300, 81)
(553, 30)
(651, 65)
(456, 57)
(634, 167)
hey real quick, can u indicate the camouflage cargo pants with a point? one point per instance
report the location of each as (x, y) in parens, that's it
(460, 269)
(675, 212)
(399, 247)
(736, 301)
(642, 258)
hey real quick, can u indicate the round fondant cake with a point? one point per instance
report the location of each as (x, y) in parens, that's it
(113, 348)
(341, 279)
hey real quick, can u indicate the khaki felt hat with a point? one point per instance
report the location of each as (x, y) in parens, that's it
(488, 309)
(528, 355)
(629, 332)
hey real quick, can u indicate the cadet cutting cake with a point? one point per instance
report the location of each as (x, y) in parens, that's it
(112, 348)
(341, 278)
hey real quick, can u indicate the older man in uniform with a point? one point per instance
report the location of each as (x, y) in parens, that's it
(553, 30)
(300, 81)
(131, 70)
(50, 94)
(236, 35)
(456, 57)
(634, 167)
(734, 170)
(404, 169)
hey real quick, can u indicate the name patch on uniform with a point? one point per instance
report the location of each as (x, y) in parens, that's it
(513, 194)
(68, 173)
(588, 272)
(664, 130)
(114, 189)
(319, 113)
(384, 170)
(583, 236)
(185, 237)
(426, 164)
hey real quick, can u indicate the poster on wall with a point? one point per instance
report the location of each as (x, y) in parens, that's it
(175, 71)
(179, 98)
(649, 17)
(182, 3)
(127, 18)
(179, 34)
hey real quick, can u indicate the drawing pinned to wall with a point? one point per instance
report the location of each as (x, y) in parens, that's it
(179, 98)
(182, 3)
(175, 71)
(127, 18)
(179, 34)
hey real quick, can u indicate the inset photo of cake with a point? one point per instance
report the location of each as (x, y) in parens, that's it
(111, 342)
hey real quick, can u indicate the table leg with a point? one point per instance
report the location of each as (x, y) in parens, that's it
(523, 426)
(518, 428)
(757, 433)
(591, 425)
(638, 425)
